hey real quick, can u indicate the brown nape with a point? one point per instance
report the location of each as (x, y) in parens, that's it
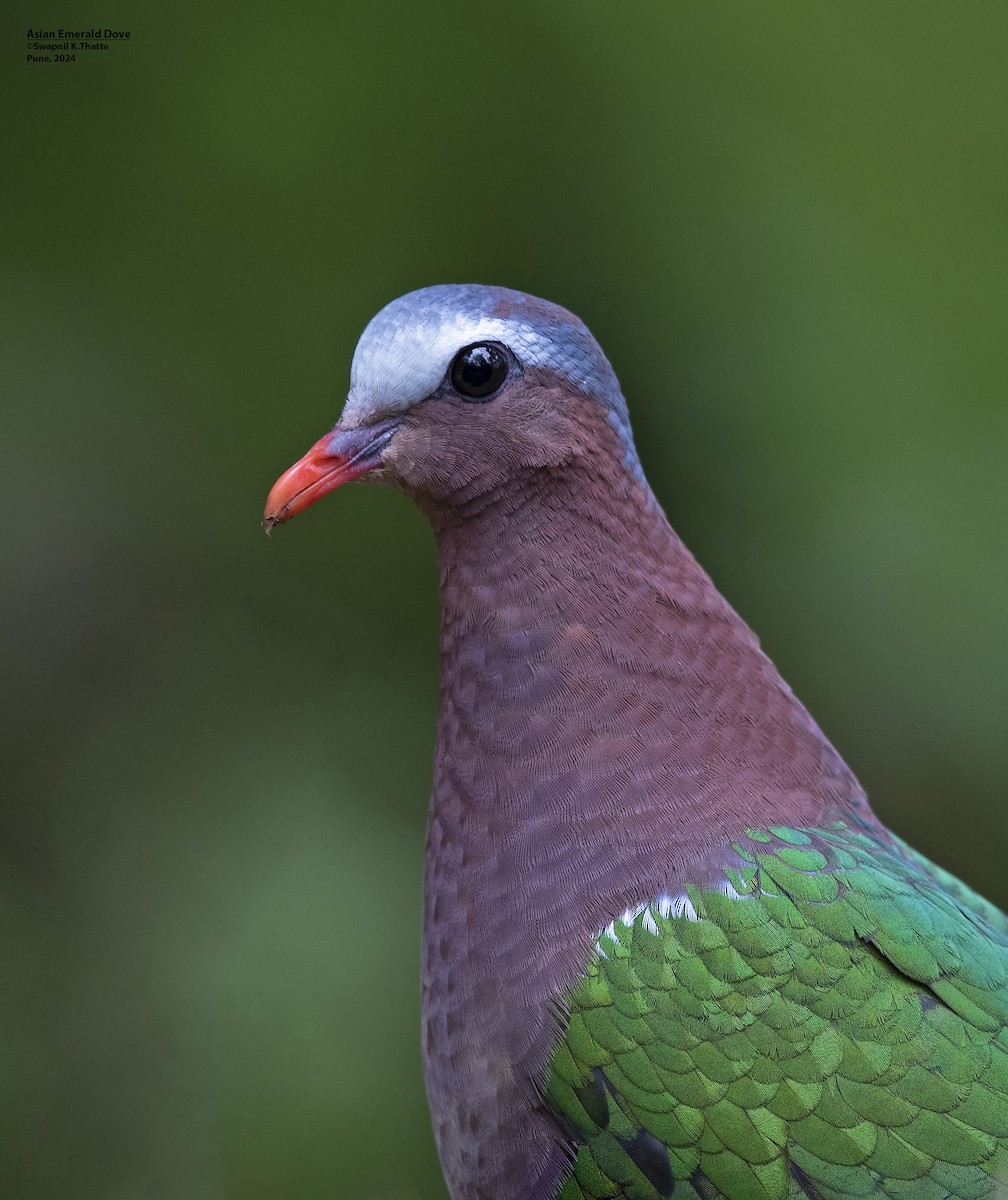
(606, 721)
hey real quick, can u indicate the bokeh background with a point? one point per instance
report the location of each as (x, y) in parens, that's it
(786, 224)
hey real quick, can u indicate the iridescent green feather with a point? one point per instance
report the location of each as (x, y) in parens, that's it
(832, 1024)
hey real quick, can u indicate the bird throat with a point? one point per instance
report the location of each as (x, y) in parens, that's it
(595, 677)
(608, 723)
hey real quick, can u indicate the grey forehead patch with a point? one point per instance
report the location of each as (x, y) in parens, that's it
(406, 349)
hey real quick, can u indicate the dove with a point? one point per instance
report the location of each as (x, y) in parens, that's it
(668, 948)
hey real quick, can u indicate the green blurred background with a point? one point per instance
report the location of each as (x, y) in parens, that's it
(786, 224)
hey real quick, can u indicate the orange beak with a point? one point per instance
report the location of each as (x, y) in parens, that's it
(334, 460)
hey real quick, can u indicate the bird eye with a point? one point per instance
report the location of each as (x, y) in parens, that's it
(478, 371)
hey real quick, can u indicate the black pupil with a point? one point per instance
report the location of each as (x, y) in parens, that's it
(478, 371)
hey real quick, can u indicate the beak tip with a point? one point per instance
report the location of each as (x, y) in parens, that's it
(273, 517)
(335, 459)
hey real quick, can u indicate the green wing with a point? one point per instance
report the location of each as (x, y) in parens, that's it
(825, 1017)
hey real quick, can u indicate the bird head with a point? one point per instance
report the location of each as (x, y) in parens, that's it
(456, 387)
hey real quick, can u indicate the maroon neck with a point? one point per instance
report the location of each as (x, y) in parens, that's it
(594, 674)
(607, 723)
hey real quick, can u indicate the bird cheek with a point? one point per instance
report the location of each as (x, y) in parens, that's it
(408, 455)
(550, 444)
